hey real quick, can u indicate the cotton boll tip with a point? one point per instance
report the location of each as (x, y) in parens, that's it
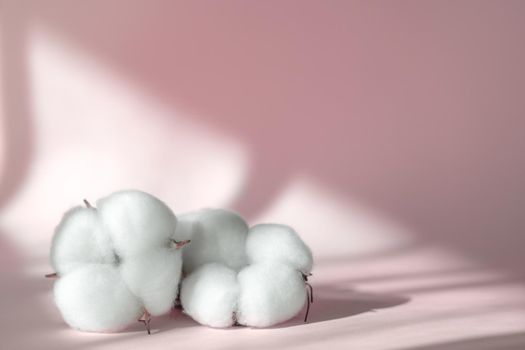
(179, 244)
(146, 319)
(87, 204)
(306, 275)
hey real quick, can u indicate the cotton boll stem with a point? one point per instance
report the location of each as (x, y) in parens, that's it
(235, 322)
(309, 295)
(307, 306)
(146, 319)
(305, 278)
(88, 205)
(311, 292)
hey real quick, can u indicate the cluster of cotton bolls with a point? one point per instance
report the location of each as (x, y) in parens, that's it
(116, 262)
(123, 261)
(235, 274)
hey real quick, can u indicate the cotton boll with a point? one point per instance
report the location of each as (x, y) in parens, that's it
(216, 235)
(274, 242)
(136, 221)
(94, 298)
(154, 278)
(79, 240)
(270, 293)
(209, 295)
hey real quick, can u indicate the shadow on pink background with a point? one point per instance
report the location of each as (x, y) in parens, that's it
(415, 108)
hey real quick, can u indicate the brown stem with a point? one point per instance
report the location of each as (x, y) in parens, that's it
(310, 299)
(88, 205)
(146, 319)
(311, 292)
(51, 275)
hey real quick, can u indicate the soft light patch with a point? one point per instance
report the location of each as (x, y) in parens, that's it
(94, 130)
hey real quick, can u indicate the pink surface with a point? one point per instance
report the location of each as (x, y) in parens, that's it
(390, 134)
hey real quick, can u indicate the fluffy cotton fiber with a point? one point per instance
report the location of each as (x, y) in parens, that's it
(154, 278)
(271, 293)
(95, 298)
(142, 228)
(216, 235)
(209, 295)
(274, 242)
(268, 291)
(78, 240)
(115, 260)
(136, 221)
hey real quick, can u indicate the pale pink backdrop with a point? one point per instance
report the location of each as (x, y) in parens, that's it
(390, 134)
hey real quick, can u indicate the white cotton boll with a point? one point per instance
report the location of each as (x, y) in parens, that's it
(136, 221)
(270, 293)
(94, 298)
(154, 278)
(274, 242)
(78, 240)
(216, 235)
(209, 295)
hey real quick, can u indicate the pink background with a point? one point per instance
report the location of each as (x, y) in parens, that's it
(390, 134)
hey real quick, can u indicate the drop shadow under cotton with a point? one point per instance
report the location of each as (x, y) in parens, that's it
(332, 303)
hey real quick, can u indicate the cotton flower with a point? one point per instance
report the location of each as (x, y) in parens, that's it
(269, 289)
(116, 262)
